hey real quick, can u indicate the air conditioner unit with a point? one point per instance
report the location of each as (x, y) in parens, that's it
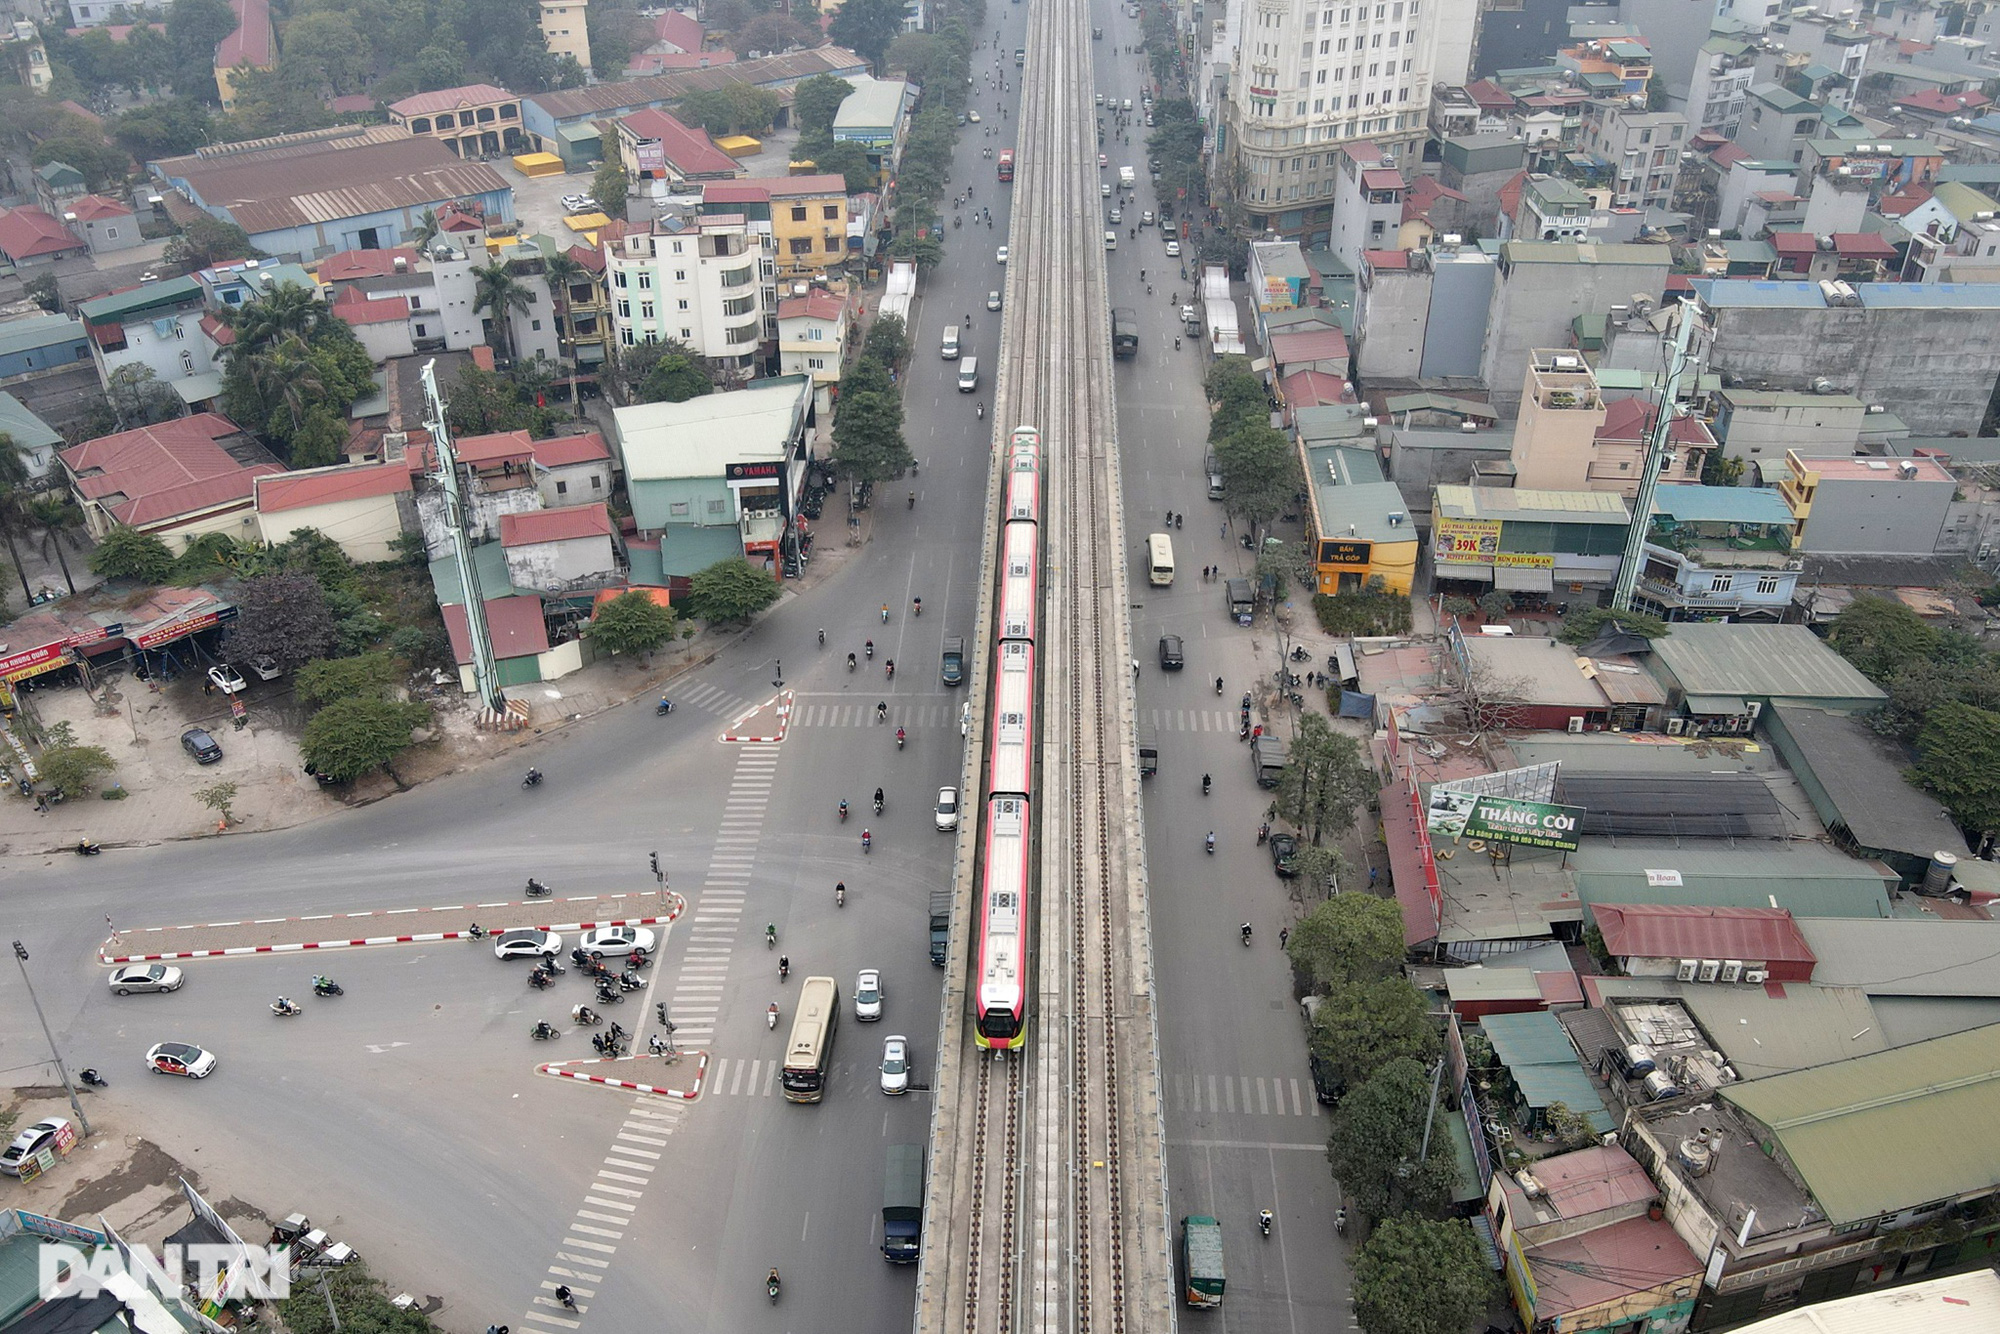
(1708, 970)
(1756, 976)
(1576, 725)
(1687, 969)
(1732, 969)
(1676, 726)
(1755, 708)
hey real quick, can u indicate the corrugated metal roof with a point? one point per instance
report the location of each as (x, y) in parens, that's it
(1966, 1303)
(1774, 662)
(1861, 773)
(1887, 1131)
(1667, 931)
(1801, 877)
(1468, 502)
(1722, 504)
(261, 189)
(1905, 957)
(39, 331)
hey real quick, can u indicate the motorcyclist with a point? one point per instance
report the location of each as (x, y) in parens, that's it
(878, 800)
(822, 638)
(843, 808)
(917, 605)
(979, 409)
(564, 1296)
(840, 893)
(770, 933)
(771, 1280)
(1205, 782)
(850, 662)
(534, 776)
(583, 1014)
(1245, 929)
(784, 966)
(892, 669)
(1218, 690)
(867, 840)
(869, 646)
(1264, 1221)
(285, 1005)
(882, 711)
(772, 1012)
(543, 1030)
(899, 738)
(1211, 840)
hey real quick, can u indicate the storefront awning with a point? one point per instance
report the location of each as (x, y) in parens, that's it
(1523, 579)
(1717, 706)
(1476, 574)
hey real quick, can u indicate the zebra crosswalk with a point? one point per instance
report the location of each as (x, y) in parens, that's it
(1242, 1095)
(904, 711)
(1193, 720)
(711, 698)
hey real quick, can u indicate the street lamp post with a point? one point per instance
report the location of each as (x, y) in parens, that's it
(21, 960)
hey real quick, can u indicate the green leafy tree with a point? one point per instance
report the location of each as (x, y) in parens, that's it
(482, 402)
(847, 160)
(1352, 938)
(44, 292)
(866, 27)
(1880, 637)
(1958, 759)
(1920, 688)
(773, 34)
(361, 676)
(284, 617)
(352, 737)
(127, 553)
(729, 590)
(868, 428)
(1260, 472)
(321, 439)
(1417, 1276)
(610, 32)
(1360, 1027)
(441, 64)
(219, 797)
(1378, 1137)
(15, 496)
(163, 129)
(631, 623)
(498, 291)
(205, 242)
(674, 378)
(1719, 469)
(74, 770)
(1236, 398)
(610, 187)
(1326, 782)
(1582, 626)
(926, 249)
(888, 341)
(194, 29)
(327, 48)
(57, 522)
(816, 100)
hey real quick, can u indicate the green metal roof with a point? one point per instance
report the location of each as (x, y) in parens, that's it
(1809, 879)
(1887, 1131)
(113, 308)
(1589, 331)
(27, 429)
(38, 331)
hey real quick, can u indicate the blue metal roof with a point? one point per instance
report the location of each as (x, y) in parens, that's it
(1730, 292)
(1721, 504)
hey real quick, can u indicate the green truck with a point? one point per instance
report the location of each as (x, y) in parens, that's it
(903, 1204)
(1202, 1279)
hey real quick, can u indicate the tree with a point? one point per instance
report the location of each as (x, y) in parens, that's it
(352, 737)
(56, 519)
(632, 622)
(1361, 1027)
(1719, 469)
(1350, 938)
(205, 242)
(888, 341)
(868, 436)
(15, 498)
(849, 161)
(816, 101)
(729, 590)
(610, 31)
(1958, 759)
(498, 291)
(362, 676)
(610, 187)
(323, 48)
(282, 616)
(363, 1303)
(127, 553)
(1416, 1276)
(773, 34)
(925, 250)
(43, 290)
(321, 439)
(73, 770)
(674, 378)
(1325, 783)
(137, 397)
(1260, 471)
(1880, 637)
(1583, 625)
(163, 129)
(1378, 1133)
(194, 28)
(481, 402)
(218, 797)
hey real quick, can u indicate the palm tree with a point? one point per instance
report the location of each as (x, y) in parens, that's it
(426, 231)
(284, 374)
(57, 520)
(499, 291)
(13, 498)
(288, 311)
(561, 270)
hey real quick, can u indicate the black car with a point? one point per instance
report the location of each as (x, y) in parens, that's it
(1171, 659)
(197, 742)
(1284, 854)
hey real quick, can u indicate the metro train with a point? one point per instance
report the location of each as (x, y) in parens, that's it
(1007, 829)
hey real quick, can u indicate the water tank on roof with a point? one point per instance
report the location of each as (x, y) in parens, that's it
(1638, 1060)
(1658, 1085)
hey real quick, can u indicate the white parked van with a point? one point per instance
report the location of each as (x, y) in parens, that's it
(968, 375)
(951, 342)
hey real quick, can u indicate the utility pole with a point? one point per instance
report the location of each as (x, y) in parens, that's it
(21, 960)
(1658, 450)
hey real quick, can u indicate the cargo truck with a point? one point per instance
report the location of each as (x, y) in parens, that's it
(1268, 758)
(903, 1204)
(1124, 332)
(940, 925)
(1242, 600)
(1202, 1279)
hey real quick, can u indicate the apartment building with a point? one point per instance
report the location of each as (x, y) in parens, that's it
(700, 282)
(1309, 78)
(1641, 149)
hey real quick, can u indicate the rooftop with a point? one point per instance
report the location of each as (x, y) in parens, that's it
(1671, 931)
(514, 624)
(1541, 671)
(451, 99)
(1722, 504)
(26, 233)
(555, 525)
(279, 492)
(1481, 502)
(1849, 468)
(157, 473)
(689, 151)
(251, 43)
(701, 437)
(1860, 772)
(777, 72)
(34, 332)
(1596, 1268)
(1578, 1184)
(1885, 1132)
(1904, 957)
(1769, 662)
(1798, 876)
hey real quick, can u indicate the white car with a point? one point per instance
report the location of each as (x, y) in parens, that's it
(1173, 250)
(39, 1136)
(227, 679)
(1111, 240)
(895, 1065)
(579, 204)
(145, 977)
(1115, 216)
(993, 300)
(616, 940)
(947, 809)
(527, 943)
(972, 116)
(868, 995)
(1000, 255)
(180, 1058)
(266, 667)
(1102, 162)
(1104, 188)
(1146, 218)
(1100, 99)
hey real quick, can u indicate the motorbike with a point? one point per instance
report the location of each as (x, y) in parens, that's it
(1211, 845)
(869, 647)
(534, 778)
(890, 672)
(899, 738)
(583, 1014)
(1206, 783)
(1264, 1222)
(475, 932)
(326, 986)
(659, 1046)
(635, 961)
(1340, 1221)
(536, 889)
(1246, 933)
(850, 662)
(543, 1031)
(86, 848)
(541, 981)
(1299, 654)
(607, 994)
(979, 411)
(771, 1285)
(1218, 690)
(1263, 834)
(840, 895)
(630, 981)
(843, 812)
(771, 1016)
(879, 803)
(663, 708)
(284, 1008)
(91, 1078)
(784, 966)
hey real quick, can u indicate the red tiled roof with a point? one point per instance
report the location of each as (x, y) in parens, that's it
(589, 256)
(814, 305)
(492, 448)
(759, 188)
(1510, 193)
(1387, 259)
(1679, 282)
(80, 110)
(159, 472)
(689, 151)
(347, 265)
(1862, 245)
(26, 232)
(89, 208)
(1597, 1268)
(251, 44)
(514, 624)
(1945, 104)
(351, 102)
(1363, 150)
(659, 62)
(565, 449)
(1670, 931)
(1630, 419)
(218, 333)
(1728, 154)
(1489, 94)
(557, 525)
(678, 30)
(1314, 389)
(482, 357)
(1382, 178)
(1289, 347)
(1794, 243)
(357, 308)
(330, 486)
(451, 99)
(1904, 201)
(1425, 192)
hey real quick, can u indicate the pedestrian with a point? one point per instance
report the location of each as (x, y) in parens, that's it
(1256, 731)
(1374, 872)
(1224, 534)
(1284, 934)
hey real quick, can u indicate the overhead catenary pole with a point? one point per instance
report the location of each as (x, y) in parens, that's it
(444, 464)
(1658, 447)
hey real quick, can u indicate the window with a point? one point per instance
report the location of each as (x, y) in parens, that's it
(1721, 583)
(180, 330)
(618, 278)
(596, 482)
(187, 362)
(678, 245)
(562, 488)
(716, 507)
(815, 363)
(831, 212)
(444, 122)
(421, 125)
(111, 233)
(535, 326)
(624, 309)
(1767, 583)
(625, 336)
(1341, 45)
(677, 509)
(681, 304)
(680, 275)
(645, 310)
(645, 280)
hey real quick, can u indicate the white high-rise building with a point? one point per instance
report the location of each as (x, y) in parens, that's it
(703, 283)
(1308, 76)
